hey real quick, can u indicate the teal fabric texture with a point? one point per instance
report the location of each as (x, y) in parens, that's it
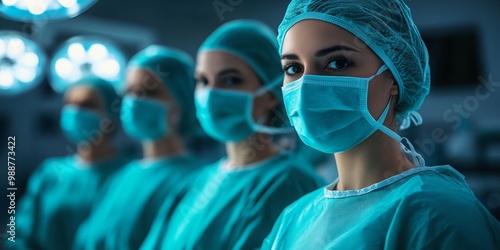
(422, 208)
(78, 124)
(144, 119)
(58, 199)
(124, 212)
(234, 209)
(330, 113)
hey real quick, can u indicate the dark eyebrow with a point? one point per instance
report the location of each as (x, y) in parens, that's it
(228, 71)
(289, 57)
(328, 50)
(320, 53)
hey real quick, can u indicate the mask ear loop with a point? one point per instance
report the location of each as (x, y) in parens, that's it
(276, 82)
(412, 116)
(417, 159)
(379, 71)
(416, 118)
(265, 129)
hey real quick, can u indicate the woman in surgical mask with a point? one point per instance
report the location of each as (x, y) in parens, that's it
(158, 111)
(235, 202)
(60, 192)
(354, 72)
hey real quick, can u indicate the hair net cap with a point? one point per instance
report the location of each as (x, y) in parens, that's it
(105, 89)
(255, 44)
(386, 26)
(175, 69)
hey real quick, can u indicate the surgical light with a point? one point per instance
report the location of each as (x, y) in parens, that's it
(22, 63)
(87, 56)
(43, 10)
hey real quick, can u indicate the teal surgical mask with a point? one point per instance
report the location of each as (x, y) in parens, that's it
(144, 119)
(330, 113)
(79, 124)
(226, 115)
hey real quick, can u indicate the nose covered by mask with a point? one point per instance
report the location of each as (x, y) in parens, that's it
(330, 113)
(144, 119)
(226, 115)
(79, 124)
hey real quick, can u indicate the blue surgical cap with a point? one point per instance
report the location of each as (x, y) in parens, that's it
(105, 89)
(386, 26)
(175, 69)
(255, 44)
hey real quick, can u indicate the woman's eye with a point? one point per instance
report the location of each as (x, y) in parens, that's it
(152, 92)
(202, 82)
(89, 105)
(230, 81)
(338, 64)
(292, 69)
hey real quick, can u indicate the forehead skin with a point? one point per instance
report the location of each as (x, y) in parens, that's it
(142, 82)
(307, 37)
(85, 97)
(209, 64)
(321, 33)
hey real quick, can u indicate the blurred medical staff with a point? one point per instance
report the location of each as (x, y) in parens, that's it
(235, 202)
(354, 71)
(157, 110)
(60, 192)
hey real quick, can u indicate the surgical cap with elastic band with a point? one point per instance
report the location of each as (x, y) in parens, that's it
(255, 44)
(386, 26)
(105, 89)
(175, 69)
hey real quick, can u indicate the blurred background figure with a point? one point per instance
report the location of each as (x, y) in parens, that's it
(158, 111)
(234, 203)
(60, 192)
(461, 122)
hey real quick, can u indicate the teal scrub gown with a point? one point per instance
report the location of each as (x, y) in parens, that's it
(234, 209)
(122, 216)
(422, 208)
(57, 199)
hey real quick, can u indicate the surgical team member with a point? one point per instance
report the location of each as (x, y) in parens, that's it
(235, 202)
(158, 110)
(60, 192)
(354, 70)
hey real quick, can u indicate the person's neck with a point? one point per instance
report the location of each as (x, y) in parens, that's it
(96, 152)
(255, 148)
(166, 146)
(375, 159)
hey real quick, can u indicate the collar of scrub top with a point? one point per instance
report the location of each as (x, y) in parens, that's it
(330, 192)
(95, 165)
(223, 164)
(153, 162)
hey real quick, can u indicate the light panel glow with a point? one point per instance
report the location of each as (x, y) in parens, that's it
(43, 10)
(22, 63)
(87, 56)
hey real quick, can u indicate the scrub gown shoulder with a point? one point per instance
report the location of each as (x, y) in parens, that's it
(422, 208)
(123, 214)
(235, 209)
(58, 198)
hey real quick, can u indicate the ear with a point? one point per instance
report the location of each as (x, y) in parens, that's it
(394, 89)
